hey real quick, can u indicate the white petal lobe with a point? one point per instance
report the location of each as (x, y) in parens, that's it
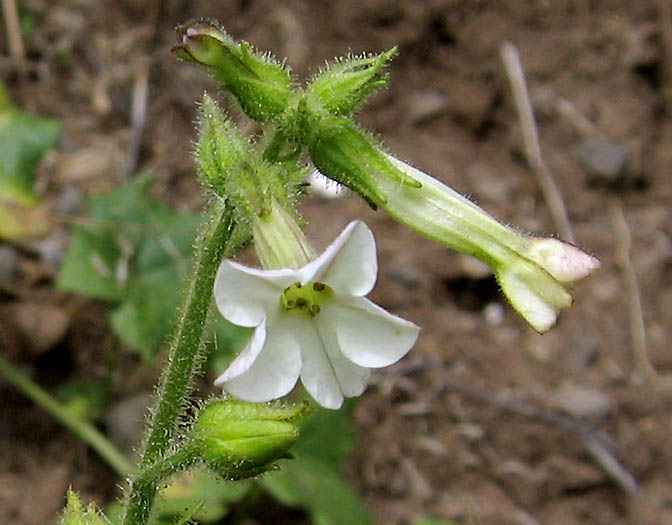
(317, 373)
(371, 337)
(241, 296)
(354, 268)
(275, 371)
(246, 358)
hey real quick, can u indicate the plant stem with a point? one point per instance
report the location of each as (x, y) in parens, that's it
(83, 429)
(186, 345)
(147, 483)
(184, 357)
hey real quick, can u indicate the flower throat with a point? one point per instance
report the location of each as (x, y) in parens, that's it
(305, 299)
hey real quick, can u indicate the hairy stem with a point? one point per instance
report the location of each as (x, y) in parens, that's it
(185, 345)
(184, 357)
(148, 481)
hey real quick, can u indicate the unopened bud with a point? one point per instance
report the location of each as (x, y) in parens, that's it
(260, 84)
(239, 439)
(220, 148)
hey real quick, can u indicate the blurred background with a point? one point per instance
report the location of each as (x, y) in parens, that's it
(485, 421)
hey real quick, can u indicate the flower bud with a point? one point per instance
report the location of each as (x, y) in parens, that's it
(234, 170)
(261, 85)
(239, 439)
(341, 87)
(534, 273)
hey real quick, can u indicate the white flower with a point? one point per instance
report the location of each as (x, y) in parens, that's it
(312, 323)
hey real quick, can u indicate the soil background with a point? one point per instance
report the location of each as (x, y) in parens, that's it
(485, 421)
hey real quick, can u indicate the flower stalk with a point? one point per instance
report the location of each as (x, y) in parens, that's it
(184, 357)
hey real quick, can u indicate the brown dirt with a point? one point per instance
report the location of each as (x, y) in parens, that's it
(440, 433)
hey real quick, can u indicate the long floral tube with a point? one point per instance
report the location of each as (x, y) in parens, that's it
(534, 273)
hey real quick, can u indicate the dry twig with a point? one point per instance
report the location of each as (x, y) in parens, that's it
(635, 312)
(14, 38)
(556, 206)
(665, 20)
(138, 117)
(597, 445)
(141, 92)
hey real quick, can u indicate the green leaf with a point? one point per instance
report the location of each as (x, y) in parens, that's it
(313, 480)
(24, 139)
(84, 397)
(199, 496)
(134, 251)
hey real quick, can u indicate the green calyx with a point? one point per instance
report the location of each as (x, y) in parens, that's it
(261, 85)
(239, 439)
(306, 299)
(233, 168)
(345, 154)
(317, 119)
(345, 84)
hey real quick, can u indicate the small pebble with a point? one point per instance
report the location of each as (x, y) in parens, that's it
(581, 401)
(493, 313)
(425, 105)
(604, 159)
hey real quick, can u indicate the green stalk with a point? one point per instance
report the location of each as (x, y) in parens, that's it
(184, 357)
(186, 343)
(151, 478)
(83, 429)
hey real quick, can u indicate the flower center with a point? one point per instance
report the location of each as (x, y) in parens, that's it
(305, 298)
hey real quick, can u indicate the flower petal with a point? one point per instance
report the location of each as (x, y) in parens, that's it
(274, 372)
(349, 264)
(246, 358)
(317, 374)
(564, 261)
(245, 295)
(351, 378)
(368, 335)
(541, 313)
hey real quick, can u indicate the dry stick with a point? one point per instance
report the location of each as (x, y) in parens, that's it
(665, 20)
(141, 93)
(578, 120)
(138, 117)
(637, 328)
(16, 48)
(596, 445)
(514, 72)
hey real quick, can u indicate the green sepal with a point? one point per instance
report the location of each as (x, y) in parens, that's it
(345, 154)
(343, 85)
(260, 84)
(234, 169)
(238, 439)
(220, 147)
(76, 514)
